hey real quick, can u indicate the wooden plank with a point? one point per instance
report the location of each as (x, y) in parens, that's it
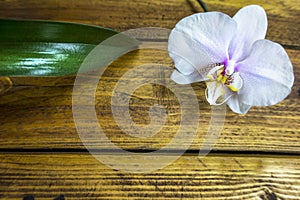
(80, 176)
(127, 14)
(36, 113)
(40, 115)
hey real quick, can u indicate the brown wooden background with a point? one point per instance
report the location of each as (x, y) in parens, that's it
(256, 156)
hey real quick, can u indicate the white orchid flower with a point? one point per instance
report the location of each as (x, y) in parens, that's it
(239, 66)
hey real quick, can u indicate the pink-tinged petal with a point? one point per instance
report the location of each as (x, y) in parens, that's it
(236, 105)
(200, 40)
(182, 64)
(251, 26)
(187, 55)
(186, 79)
(267, 74)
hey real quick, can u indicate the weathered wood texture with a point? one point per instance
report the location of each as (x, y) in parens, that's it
(36, 114)
(40, 116)
(80, 176)
(123, 15)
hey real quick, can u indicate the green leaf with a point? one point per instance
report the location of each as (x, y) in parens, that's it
(43, 48)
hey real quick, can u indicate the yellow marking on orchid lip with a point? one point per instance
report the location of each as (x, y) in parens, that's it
(234, 89)
(219, 74)
(224, 79)
(220, 78)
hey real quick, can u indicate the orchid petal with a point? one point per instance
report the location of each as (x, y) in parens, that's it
(185, 79)
(251, 26)
(186, 53)
(215, 93)
(237, 106)
(200, 40)
(267, 74)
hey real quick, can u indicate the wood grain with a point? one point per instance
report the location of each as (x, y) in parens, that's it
(47, 157)
(127, 14)
(80, 176)
(40, 115)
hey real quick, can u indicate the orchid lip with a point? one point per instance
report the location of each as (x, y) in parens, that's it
(219, 77)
